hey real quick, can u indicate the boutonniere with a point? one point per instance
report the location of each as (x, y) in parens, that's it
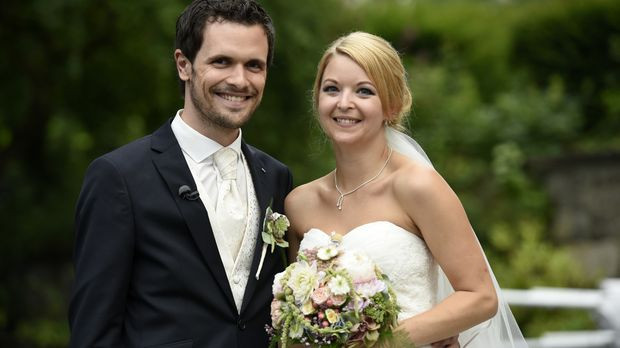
(274, 228)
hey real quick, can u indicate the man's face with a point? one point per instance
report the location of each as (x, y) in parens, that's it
(228, 74)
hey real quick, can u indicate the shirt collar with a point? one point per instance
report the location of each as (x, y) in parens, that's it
(196, 145)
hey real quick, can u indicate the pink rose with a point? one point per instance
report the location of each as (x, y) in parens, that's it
(276, 313)
(338, 300)
(320, 295)
(370, 288)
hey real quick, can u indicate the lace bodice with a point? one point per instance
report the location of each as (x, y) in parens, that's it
(400, 254)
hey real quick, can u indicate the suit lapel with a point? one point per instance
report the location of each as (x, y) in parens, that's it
(169, 161)
(263, 196)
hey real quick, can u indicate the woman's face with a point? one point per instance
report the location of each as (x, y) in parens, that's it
(349, 107)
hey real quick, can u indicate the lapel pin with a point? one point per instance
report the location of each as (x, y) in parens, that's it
(263, 169)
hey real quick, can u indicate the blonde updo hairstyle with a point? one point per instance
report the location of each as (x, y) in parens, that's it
(383, 66)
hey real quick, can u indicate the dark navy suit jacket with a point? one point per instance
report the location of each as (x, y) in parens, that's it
(147, 269)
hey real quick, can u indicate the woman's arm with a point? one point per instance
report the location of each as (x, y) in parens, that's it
(439, 216)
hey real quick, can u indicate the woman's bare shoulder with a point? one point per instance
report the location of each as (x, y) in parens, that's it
(412, 175)
(306, 196)
(417, 183)
(301, 201)
(304, 193)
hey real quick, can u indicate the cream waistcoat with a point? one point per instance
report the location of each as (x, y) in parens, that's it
(237, 268)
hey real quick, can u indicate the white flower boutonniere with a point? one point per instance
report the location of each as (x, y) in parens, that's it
(274, 229)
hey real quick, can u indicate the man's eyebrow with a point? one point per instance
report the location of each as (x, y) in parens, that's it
(217, 56)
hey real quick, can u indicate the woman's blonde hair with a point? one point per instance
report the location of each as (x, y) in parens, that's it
(381, 63)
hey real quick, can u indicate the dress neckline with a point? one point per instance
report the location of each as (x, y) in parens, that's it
(359, 228)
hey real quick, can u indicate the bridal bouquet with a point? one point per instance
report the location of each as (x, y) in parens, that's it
(332, 297)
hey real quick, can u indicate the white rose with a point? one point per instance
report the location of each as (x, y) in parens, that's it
(276, 288)
(303, 280)
(359, 266)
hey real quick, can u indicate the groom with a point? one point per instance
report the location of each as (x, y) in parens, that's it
(168, 227)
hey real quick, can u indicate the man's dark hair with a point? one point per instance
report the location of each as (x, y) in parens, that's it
(191, 24)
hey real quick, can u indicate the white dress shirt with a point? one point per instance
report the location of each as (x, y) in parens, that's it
(198, 151)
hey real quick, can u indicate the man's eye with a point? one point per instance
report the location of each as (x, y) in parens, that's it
(219, 61)
(255, 66)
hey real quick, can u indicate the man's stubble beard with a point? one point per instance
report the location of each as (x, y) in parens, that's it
(210, 116)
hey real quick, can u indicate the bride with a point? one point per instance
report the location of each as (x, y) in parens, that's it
(386, 199)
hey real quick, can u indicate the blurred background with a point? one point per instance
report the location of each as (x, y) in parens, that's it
(516, 102)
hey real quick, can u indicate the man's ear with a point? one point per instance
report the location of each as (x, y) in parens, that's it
(184, 66)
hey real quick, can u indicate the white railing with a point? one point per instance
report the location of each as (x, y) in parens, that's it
(603, 302)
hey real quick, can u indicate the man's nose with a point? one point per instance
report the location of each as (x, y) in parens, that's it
(238, 77)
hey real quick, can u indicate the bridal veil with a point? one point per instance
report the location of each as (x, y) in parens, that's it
(501, 331)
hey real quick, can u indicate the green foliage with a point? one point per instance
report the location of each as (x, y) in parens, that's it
(382, 310)
(578, 42)
(44, 333)
(496, 85)
(535, 262)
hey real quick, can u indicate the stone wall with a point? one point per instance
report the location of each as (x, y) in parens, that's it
(585, 194)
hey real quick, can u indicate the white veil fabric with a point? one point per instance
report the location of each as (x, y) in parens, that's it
(500, 331)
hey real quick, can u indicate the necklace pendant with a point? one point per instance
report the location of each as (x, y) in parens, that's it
(343, 194)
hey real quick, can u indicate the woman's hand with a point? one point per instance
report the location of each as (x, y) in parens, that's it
(452, 342)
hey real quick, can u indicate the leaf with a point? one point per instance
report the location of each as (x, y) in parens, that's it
(268, 238)
(282, 244)
(268, 213)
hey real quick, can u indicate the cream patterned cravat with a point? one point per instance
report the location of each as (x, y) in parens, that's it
(229, 208)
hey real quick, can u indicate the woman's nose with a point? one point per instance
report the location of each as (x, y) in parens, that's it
(344, 102)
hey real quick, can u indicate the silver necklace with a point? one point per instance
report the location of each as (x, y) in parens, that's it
(342, 195)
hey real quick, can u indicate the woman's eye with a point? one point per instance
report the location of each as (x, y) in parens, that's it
(330, 89)
(365, 91)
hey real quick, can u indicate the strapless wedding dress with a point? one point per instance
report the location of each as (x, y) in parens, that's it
(400, 254)
(419, 283)
(415, 278)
